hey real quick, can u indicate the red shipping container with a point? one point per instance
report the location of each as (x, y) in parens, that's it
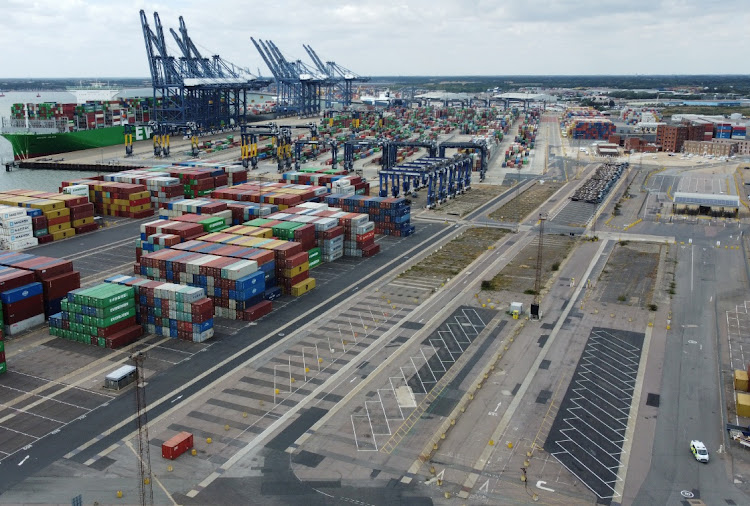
(46, 267)
(82, 229)
(124, 337)
(15, 278)
(58, 286)
(257, 311)
(294, 261)
(57, 221)
(23, 309)
(38, 222)
(117, 327)
(177, 445)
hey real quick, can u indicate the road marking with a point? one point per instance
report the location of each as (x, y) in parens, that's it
(485, 488)
(510, 412)
(176, 399)
(542, 487)
(24, 460)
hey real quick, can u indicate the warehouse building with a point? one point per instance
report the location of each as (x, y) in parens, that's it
(706, 204)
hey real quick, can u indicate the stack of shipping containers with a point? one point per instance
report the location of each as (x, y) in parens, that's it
(103, 315)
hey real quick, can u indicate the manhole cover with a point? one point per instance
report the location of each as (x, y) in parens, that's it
(687, 494)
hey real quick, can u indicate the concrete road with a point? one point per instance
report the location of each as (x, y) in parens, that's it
(691, 405)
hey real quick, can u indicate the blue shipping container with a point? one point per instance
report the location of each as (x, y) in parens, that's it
(20, 293)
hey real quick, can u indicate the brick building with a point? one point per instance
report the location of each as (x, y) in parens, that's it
(671, 137)
(710, 148)
(742, 147)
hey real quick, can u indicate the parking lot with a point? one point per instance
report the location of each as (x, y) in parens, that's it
(588, 433)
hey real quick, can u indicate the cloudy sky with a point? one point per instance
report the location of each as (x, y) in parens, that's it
(103, 38)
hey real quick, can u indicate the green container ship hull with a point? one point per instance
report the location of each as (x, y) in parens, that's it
(31, 145)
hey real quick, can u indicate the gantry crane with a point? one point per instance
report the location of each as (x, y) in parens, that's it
(341, 78)
(298, 86)
(210, 94)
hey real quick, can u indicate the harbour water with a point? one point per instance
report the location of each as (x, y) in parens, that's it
(32, 179)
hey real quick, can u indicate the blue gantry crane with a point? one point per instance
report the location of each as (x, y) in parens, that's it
(443, 178)
(192, 93)
(299, 87)
(341, 79)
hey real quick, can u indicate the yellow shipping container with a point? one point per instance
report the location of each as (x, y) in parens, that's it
(740, 380)
(294, 271)
(305, 286)
(45, 204)
(15, 200)
(82, 221)
(263, 233)
(58, 227)
(56, 213)
(139, 195)
(63, 234)
(743, 405)
(65, 198)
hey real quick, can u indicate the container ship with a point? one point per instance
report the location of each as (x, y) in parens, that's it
(49, 128)
(35, 130)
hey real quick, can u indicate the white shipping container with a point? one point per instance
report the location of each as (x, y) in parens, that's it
(24, 325)
(80, 190)
(8, 212)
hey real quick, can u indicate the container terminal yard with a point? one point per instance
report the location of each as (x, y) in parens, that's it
(419, 303)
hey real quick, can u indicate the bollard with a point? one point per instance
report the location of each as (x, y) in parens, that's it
(432, 469)
(170, 468)
(119, 494)
(209, 440)
(194, 452)
(226, 427)
(453, 421)
(492, 443)
(442, 436)
(510, 445)
(244, 415)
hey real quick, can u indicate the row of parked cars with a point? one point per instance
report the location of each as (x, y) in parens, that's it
(594, 189)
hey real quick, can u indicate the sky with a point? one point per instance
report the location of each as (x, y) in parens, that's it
(103, 38)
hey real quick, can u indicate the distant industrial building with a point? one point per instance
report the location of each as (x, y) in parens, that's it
(709, 148)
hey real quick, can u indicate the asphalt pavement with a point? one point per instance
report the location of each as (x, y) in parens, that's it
(690, 404)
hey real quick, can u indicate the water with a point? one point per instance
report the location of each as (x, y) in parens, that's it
(44, 180)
